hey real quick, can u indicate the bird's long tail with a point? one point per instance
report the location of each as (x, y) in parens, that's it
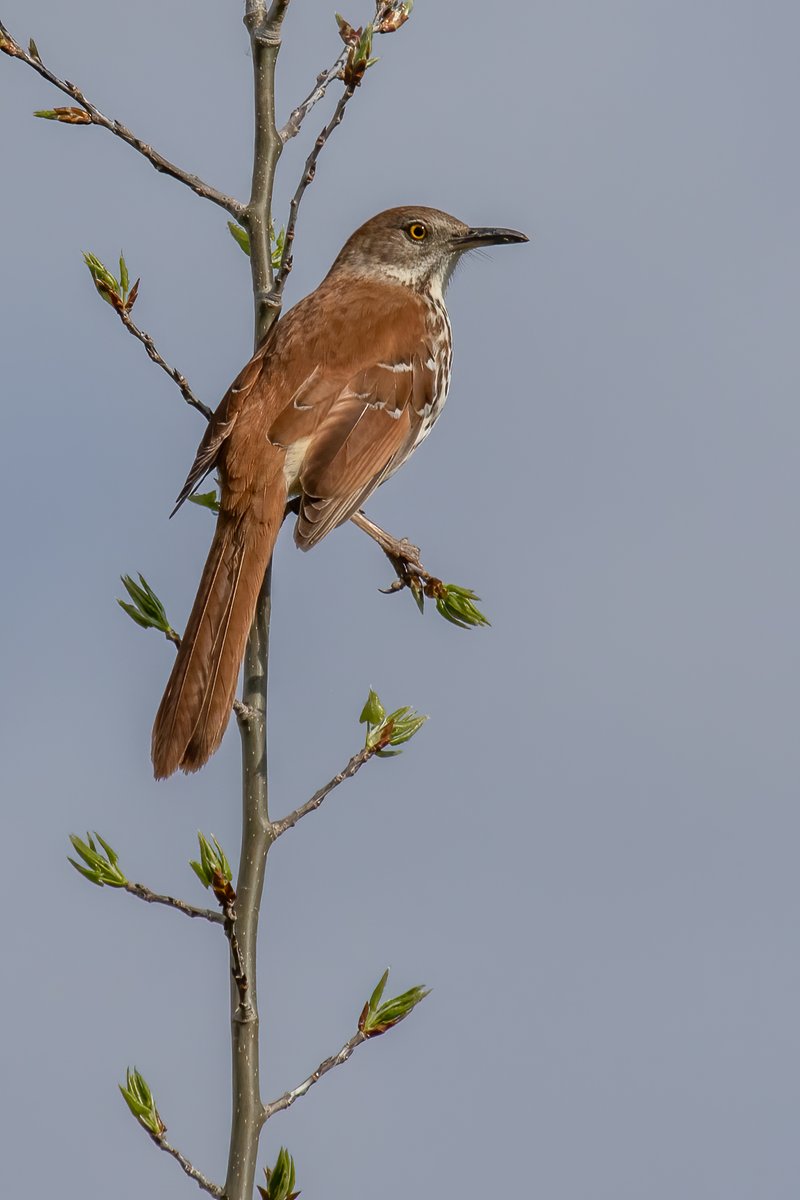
(196, 705)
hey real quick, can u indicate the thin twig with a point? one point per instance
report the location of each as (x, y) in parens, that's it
(238, 974)
(307, 177)
(325, 79)
(355, 765)
(244, 712)
(144, 893)
(198, 186)
(277, 12)
(321, 85)
(288, 1098)
(174, 374)
(212, 1188)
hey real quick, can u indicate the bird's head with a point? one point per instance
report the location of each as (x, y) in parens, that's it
(418, 247)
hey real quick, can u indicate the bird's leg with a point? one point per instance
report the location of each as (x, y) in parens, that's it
(404, 558)
(401, 553)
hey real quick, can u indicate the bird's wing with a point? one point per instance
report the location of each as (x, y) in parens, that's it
(357, 432)
(345, 410)
(222, 422)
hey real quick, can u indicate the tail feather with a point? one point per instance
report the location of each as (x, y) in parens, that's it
(196, 705)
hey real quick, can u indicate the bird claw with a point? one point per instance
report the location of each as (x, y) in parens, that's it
(407, 564)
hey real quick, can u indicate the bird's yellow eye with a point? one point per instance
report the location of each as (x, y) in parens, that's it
(417, 231)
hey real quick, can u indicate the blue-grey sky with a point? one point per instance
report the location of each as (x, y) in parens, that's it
(590, 852)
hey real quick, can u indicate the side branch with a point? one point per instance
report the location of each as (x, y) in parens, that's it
(185, 1165)
(307, 177)
(389, 16)
(355, 765)
(288, 1098)
(245, 1010)
(32, 59)
(144, 893)
(321, 85)
(174, 374)
(277, 11)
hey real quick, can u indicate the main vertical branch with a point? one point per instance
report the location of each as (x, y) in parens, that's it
(264, 27)
(247, 1112)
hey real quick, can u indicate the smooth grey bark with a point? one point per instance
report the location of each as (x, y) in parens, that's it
(247, 1113)
(247, 1116)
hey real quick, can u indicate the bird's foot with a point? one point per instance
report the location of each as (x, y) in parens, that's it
(407, 565)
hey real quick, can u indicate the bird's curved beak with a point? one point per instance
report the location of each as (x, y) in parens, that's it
(488, 237)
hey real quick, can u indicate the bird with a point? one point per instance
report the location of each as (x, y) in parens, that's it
(338, 395)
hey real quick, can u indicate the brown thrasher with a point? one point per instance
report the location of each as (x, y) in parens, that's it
(337, 396)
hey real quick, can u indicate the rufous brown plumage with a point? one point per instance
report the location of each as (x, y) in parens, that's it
(341, 391)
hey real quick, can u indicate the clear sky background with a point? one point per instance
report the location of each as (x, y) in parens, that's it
(590, 852)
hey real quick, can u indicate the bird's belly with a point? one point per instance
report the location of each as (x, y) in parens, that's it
(442, 362)
(443, 367)
(430, 418)
(293, 465)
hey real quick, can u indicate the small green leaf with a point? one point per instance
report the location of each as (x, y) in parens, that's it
(373, 711)
(111, 855)
(376, 996)
(48, 114)
(393, 730)
(458, 606)
(200, 872)
(124, 278)
(134, 614)
(222, 860)
(87, 874)
(277, 243)
(364, 47)
(240, 236)
(100, 869)
(139, 1099)
(213, 861)
(376, 1017)
(104, 281)
(146, 609)
(280, 1178)
(206, 500)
